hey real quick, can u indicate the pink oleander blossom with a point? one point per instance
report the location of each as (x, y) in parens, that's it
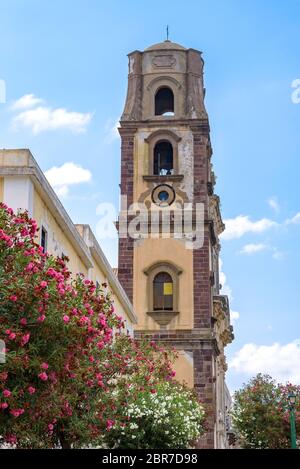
(43, 376)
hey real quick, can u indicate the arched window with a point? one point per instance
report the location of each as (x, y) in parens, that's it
(163, 292)
(164, 102)
(163, 159)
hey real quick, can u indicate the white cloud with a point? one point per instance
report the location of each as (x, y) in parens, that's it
(66, 175)
(111, 130)
(234, 315)
(280, 361)
(225, 290)
(273, 203)
(61, 191)
(44, 118)
(278, 255)
(294, 220)
(26, 102)
(240, 225)
(253, 248)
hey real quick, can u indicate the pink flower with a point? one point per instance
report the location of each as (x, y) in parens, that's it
(100, 345)
(44, 366)
(3, 405)
(12, 336)
(43, 284)
(83, 320)
(25, 339)
(12, 439)
(66, 319)
(43, 376)
(17, 412)
(29, 267)
(31, 390)
(50, 427)
(109, 424)
(41, 318)
(23, 321)
(13, 298)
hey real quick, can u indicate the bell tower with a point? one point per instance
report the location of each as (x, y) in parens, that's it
(166, 173)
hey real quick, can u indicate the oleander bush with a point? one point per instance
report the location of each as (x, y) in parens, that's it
(69, 367)
(261, 413)
(168, 416)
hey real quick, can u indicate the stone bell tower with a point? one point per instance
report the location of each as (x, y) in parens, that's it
(165, 166)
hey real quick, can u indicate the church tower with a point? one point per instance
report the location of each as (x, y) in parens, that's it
(166, 167)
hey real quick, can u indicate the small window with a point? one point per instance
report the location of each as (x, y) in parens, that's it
(163, 292)
(163, 159)
(44, 239)
(164, 102)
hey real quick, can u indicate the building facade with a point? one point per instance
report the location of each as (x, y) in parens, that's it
(166, 168)
(24, 186)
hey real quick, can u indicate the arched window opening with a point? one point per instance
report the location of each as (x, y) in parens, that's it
(164, 102)
(163, 159)
(163, 292)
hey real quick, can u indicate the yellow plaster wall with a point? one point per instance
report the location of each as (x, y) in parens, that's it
(57, 240)
(149, 252)
(184, 368)
(97, 275)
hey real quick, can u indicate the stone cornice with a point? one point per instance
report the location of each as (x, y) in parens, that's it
(190, 339)
(196, 125)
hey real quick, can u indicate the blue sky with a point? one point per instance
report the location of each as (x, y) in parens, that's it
(71, 55)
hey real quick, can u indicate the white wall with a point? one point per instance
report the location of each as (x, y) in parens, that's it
(18, 193)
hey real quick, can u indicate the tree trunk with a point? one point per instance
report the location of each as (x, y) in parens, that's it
(65, 444)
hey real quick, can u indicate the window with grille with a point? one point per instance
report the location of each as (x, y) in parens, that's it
(163, 292)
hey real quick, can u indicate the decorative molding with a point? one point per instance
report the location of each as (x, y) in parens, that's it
(163, 317)
(164, 78)
(164, 61)
(162, 265)
(163, 179)
(163, 133)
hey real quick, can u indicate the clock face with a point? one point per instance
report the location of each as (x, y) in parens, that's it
(163, 195)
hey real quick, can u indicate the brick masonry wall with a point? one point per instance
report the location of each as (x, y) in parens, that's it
(125, 267)
(204, 357)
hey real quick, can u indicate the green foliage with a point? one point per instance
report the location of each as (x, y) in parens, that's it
(261, 414)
